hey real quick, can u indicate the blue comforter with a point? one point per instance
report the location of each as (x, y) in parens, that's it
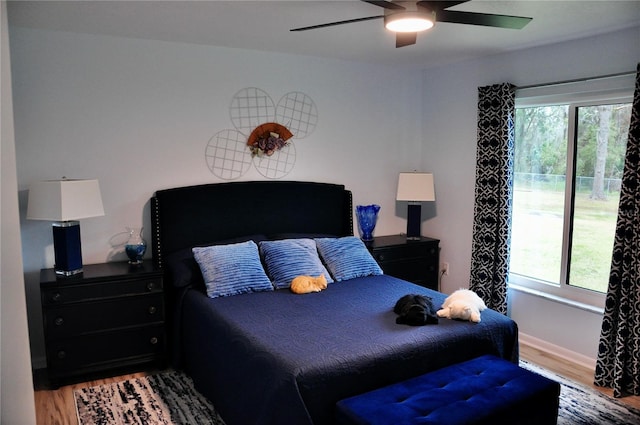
(286, 359)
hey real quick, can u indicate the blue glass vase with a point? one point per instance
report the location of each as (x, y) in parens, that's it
(367, 216)
(135, 246)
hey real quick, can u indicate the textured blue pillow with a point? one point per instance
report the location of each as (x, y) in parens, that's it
(288, 258)
(347, 258)
(232, 269)
(184, 269)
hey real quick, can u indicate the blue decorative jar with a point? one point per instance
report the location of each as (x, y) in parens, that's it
(367, 216)
(135, 246)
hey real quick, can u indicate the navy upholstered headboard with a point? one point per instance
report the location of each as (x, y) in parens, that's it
(188, 216)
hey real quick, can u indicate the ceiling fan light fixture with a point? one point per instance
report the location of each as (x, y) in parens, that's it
(411, 21)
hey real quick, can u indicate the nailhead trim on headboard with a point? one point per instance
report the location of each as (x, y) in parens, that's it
(155, 217)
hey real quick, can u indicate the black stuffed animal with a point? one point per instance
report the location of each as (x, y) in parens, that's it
(415, 310)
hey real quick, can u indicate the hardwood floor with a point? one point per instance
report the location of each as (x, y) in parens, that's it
(570, 370)
(57, 407)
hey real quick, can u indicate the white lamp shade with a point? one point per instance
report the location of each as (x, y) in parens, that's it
(64, 200)
(416, 187)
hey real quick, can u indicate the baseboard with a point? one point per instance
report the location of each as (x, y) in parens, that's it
(558, 351)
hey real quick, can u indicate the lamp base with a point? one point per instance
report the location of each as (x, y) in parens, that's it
(67, 273)
(414, 217)
(66, 247)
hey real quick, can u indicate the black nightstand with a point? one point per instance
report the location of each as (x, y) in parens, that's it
(110, 317)
(414, 260)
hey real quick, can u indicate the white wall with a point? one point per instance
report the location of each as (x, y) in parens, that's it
(450, 96)
(16, 387)
(137, 115)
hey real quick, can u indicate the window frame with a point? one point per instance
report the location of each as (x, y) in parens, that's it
(580, 94)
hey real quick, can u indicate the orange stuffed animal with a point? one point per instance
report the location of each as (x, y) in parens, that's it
(306, 284)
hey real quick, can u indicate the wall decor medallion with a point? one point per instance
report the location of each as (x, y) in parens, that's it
(268, 138)
(264, 134)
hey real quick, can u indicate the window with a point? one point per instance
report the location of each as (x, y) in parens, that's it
(569, 159)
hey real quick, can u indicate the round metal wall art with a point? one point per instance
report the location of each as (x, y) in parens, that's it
(229, 154)
(226, 155)
(297, 111)
(249, 108)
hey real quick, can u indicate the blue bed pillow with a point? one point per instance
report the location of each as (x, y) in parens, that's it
(183, 268)
(347, 258)
(288, 258)
(232, 269)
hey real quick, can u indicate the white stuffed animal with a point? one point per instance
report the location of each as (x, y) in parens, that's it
(462, 304)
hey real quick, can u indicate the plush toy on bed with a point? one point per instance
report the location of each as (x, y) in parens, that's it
(463, 304)
(415, 310)
(306, 284)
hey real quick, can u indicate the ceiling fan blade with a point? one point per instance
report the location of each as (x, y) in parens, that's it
(332, 24)
(385, 4)
(440, 5)
(484, 19)
(406, 38)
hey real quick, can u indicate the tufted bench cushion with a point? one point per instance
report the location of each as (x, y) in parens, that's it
(484, 390)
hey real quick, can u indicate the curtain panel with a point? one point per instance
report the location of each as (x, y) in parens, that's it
(618, 363)
(493, 194)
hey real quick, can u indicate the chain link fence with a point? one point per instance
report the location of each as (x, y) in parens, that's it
(556, 182)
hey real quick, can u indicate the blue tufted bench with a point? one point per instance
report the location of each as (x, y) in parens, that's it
(484, 390)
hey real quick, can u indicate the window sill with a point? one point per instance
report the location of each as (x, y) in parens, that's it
(555, 298)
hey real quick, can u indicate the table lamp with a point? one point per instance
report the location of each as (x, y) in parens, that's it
(415, 188)
(65, 202)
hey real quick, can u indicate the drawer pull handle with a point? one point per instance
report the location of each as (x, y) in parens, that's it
(152, 310)
(61, 354)
(56, 297)
(59, 321)
(150, 286)
(153, 340)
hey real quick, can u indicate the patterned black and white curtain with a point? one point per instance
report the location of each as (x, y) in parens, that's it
(493, 195)
(618, 364)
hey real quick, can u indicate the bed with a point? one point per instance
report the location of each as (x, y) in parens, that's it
(269, 356)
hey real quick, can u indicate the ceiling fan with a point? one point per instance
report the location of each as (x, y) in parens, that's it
(407, 18)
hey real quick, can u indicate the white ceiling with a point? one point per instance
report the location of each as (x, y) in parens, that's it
(265, 25)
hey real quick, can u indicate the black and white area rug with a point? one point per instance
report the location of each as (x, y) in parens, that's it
(169, 399)
(166, 398)
(581, 405)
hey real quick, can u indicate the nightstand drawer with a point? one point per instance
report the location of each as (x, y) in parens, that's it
(71, 356)
(405, 252)
(90, 291)
(410, 270)
(412, 260)
(77, 319)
